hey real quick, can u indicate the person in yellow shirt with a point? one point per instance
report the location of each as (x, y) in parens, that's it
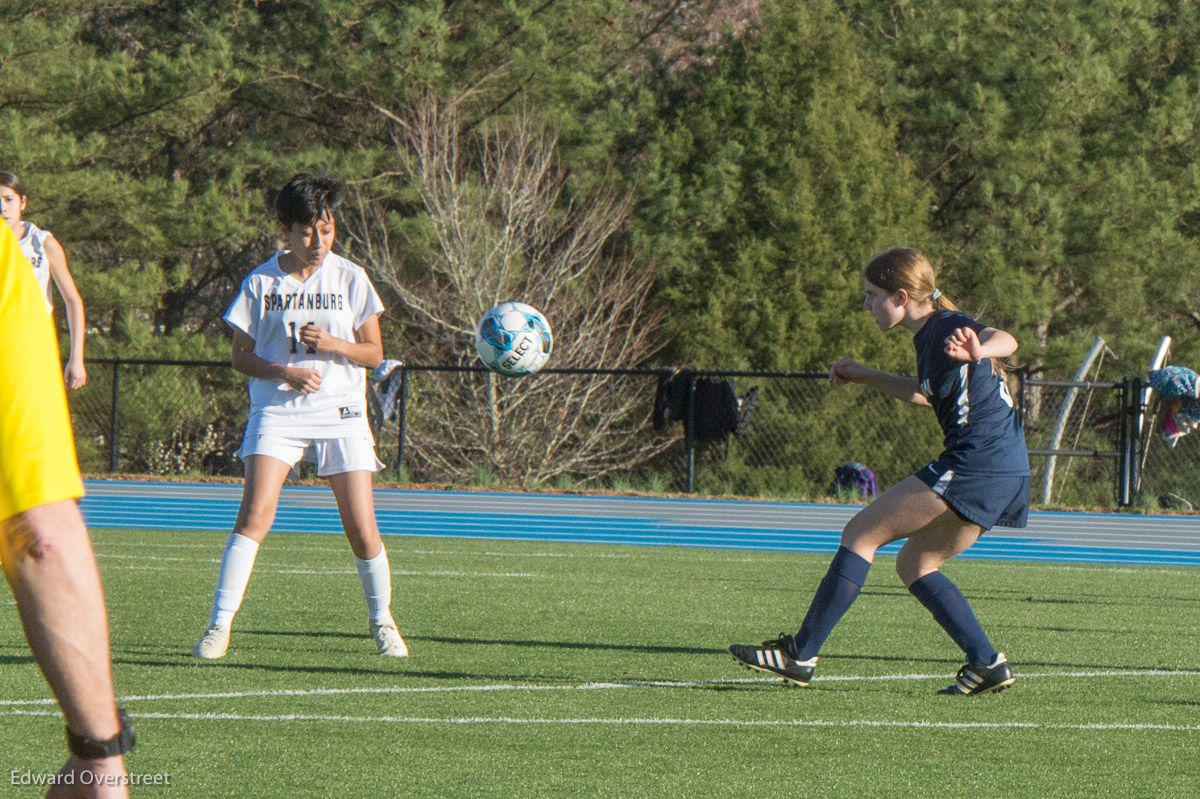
(44, 545)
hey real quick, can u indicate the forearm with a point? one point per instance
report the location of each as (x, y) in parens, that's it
(76, 327)
(251, 365)
(907, 389)
(364, 353)
(996, 343)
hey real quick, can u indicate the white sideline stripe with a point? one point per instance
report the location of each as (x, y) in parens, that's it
(157, 557)
(587, 686)
(398, 549)
(402, 573)
(946, 725)
(304, 570)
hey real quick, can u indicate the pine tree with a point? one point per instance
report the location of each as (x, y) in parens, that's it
(771, 184)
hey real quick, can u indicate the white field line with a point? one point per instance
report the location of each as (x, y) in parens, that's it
(394, 549)
(403, 573)
(304, 570)
(587, 686)
(945, 725)
(1085, 568)
(159, 558)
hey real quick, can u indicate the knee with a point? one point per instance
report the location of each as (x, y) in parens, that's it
(39, 548)
(368, 539)
(912, 566)
(907, 569)
(255, 523)
(26, 537)
(860, 541)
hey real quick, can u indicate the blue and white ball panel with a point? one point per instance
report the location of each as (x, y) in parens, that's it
(513, 339)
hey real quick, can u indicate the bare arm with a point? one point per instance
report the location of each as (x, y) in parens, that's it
(366, 351)
(907, 389)
(74, 374)
(243, 358)
(964, 344)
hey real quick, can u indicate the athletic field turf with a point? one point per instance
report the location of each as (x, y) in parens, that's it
(550, 669)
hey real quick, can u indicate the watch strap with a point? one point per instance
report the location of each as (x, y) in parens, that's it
(91, 749)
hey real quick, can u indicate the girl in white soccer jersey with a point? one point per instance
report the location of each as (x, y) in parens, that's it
(49, 263)
(980, 480)
(305, 326)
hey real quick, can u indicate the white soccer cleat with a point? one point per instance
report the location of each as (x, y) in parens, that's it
(213, 645)
(388, 640)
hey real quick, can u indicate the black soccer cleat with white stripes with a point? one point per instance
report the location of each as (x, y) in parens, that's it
(974, 679)
(776, 657)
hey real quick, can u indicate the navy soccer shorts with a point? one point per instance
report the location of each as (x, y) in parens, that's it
(989, 500)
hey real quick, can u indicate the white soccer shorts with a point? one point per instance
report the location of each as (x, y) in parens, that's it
(331, 455)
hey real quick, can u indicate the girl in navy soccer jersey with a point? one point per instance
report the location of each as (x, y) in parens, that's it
(305, 325)
(980, 480)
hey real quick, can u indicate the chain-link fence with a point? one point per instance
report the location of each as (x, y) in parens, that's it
(1074, 433)
(567, 429)
(158, 417)
(1169, 471)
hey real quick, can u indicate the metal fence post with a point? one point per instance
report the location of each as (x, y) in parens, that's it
(1022, 398)
(402, 419)
(689, 427)
(113, 428)
(1123, 439)
(1136, 417)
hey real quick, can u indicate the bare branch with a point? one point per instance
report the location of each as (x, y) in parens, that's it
(498, 223)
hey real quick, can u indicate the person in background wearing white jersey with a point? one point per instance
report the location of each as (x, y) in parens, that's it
(49, 261)
(305, 325)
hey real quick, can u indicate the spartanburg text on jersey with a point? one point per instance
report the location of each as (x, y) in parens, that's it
(271, 307)
(973, 406)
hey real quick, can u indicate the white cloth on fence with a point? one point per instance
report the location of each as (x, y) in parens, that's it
(387, 387)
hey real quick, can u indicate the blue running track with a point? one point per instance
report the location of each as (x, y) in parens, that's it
(1102, 538)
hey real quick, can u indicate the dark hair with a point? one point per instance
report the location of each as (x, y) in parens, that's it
(306, 198)
(908, 269)
(13, 182)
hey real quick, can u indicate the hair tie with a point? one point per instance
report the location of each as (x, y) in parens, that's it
(936, 293)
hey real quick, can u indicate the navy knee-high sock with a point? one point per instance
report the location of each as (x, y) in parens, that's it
(941, 597)
(834, 596)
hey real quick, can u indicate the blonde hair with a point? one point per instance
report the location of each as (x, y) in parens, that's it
(908, 269)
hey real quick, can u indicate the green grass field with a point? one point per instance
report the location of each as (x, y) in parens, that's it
(553, 669)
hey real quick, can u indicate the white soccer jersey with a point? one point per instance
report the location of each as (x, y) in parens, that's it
(33, 245)
(271, 307)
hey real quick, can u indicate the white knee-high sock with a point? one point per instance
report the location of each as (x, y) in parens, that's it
(376, 579)
(236, 564)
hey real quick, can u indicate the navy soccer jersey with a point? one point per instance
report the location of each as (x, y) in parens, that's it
(973, 406)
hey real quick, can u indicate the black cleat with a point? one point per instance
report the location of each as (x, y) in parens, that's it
(974, 679)
(776, 657)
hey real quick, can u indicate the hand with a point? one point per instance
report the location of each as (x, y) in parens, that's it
(964, 345)
(847, 370)
(91, 779)
(306, 381)
(317, 339)
(75, 376)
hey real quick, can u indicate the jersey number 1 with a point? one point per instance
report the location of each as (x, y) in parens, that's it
(296, 340)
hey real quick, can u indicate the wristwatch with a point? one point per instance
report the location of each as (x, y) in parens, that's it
(90, 749)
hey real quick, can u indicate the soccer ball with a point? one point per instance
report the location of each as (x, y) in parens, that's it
(513, 339)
